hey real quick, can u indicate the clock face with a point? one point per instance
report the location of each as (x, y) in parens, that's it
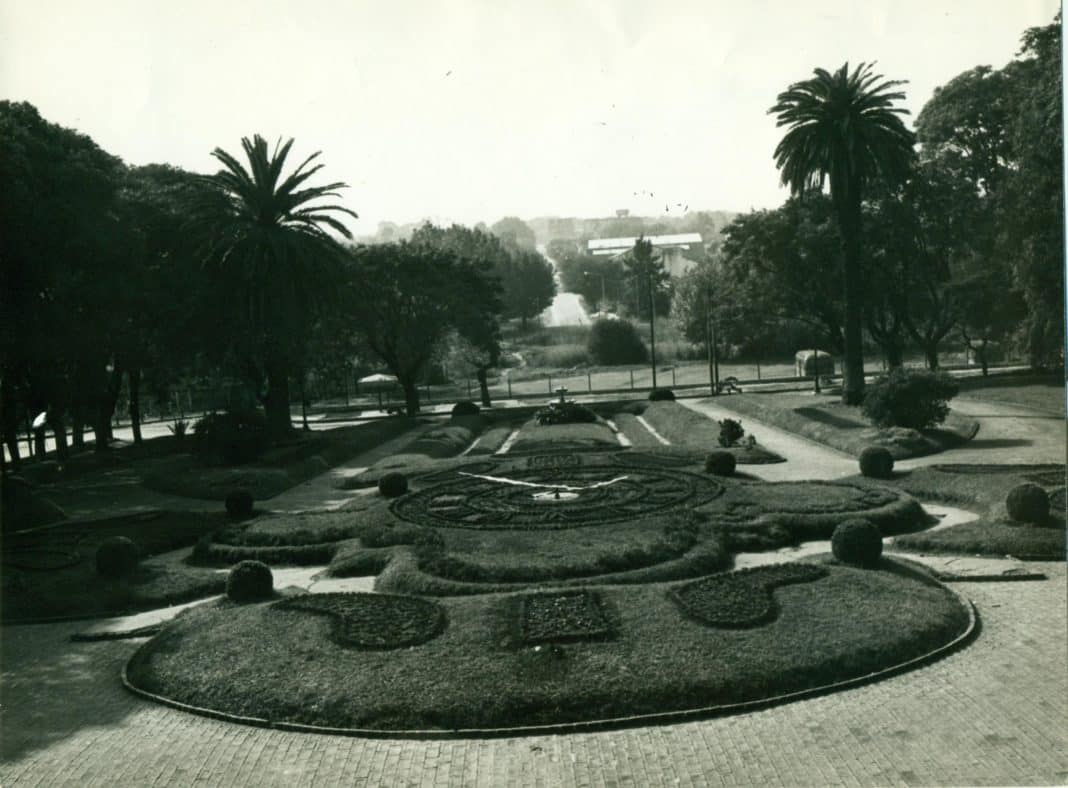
(598, 494)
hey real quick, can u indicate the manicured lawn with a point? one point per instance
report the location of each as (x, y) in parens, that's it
(1044, 393)
(683, 427)
(52, 573)
(826, 420)
(982, 489)
(546, 657)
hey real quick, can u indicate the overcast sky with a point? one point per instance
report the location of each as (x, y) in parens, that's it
(468, 110)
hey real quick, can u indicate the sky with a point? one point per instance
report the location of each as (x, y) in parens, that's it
(470, 110)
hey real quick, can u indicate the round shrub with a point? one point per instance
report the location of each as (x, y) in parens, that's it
(117, 556)
(876, 462)
(662, 395)
(730, 432)
(249, 581)
(232, 438)
(720, 463)
(1028, 503)
(393, 484)
(616, 342)
(239, 504)
(917, 399)
(857, 542)
(464, 408)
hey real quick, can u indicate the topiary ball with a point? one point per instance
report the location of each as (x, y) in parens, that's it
(250, 581)
(720, 463)
(876, 462)
(393, 484)
(1028, 503)
(239, 504)
(662, 395)
(117, 556)
(465, 408)
(858, 542)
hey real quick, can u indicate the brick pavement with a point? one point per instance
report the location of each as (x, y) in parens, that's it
(995, 713)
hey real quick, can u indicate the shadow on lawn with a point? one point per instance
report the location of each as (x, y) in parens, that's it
(54, 689)
(998, 443)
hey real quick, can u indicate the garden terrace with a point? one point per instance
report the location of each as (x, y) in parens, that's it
(547, 659)
(983, 488)
(843, 427)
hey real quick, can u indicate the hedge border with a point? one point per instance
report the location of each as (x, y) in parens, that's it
(613, 723)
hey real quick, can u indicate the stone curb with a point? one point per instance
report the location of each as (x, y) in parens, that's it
(591, 726)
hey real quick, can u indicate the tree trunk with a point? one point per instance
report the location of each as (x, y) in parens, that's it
(276, 403)
(10, 424)
(77, 427)
(930, 353)
(58, 424)
(483, 386)
(105, 410)
(895, 355)
(411, 396)
(853, 355)
(134, 376)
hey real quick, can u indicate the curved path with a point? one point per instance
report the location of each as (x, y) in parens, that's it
(993, 713)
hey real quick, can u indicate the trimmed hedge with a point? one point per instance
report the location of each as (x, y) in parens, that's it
(876, 463)
(465, 408)
(239, 504)
(917, 399)
(117, 557)
(720, 463)
(250, 581)
(662, 395)
(1028, 503)
(393, 485)
(858, 542)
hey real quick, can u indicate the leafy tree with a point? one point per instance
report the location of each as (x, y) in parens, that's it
(269, 242)
(515, 231)
(405, 298)
(844, 127)
(529, 285)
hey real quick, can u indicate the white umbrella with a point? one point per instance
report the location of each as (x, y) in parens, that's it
(378, 382)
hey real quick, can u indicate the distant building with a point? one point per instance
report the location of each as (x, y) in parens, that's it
(671, 247)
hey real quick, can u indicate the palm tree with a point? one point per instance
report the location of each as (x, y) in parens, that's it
(844, 127)
(269, 238)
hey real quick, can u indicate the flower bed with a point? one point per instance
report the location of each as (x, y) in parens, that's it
(743, 598)
(562, 617)
(372, 621)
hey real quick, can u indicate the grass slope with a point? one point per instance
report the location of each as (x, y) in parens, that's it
(685, 428)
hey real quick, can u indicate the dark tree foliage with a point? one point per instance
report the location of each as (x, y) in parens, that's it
(844, 128)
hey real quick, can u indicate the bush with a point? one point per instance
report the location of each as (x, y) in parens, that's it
(392, 485)
(720, 463)
(730, 432)
(250, 581)
(916, 399)
(857, 542)
(662, 395)
(1028, 503)
(465, 408)
(233, 437)
(876, 462)
(564, 413)
(616, 342)
(117, 556)
(239, 504)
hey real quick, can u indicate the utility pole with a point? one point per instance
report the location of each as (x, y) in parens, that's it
(708, 338)
(652, 325)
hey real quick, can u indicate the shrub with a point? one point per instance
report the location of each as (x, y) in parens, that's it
(730, 432)
(464, 408)
(1028, 503)
(876, 462)
(117, 556)
(662, 395)
(232, 437)
(564, 413)
(616, 342)
(250, 581)
(916, 399)
(857, 542)
(392, 485)
(720, 463)
(239, 504)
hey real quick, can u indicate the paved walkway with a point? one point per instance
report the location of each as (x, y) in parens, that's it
(995, 713)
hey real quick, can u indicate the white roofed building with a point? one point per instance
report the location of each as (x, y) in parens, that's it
(671, 247)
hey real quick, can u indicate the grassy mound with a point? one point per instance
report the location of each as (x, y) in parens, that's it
(52, 573)
(688, 429)
(982, 488)
(545, 658)
(547, 438)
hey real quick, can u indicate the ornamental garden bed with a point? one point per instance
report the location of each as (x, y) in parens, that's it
(983, 488)
(843, 427)
(52, 573)
(545, 658)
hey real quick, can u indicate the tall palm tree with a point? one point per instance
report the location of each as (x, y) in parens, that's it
(844, 127)
(269, 238)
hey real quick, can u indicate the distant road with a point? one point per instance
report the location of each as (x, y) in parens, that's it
(566, 308)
